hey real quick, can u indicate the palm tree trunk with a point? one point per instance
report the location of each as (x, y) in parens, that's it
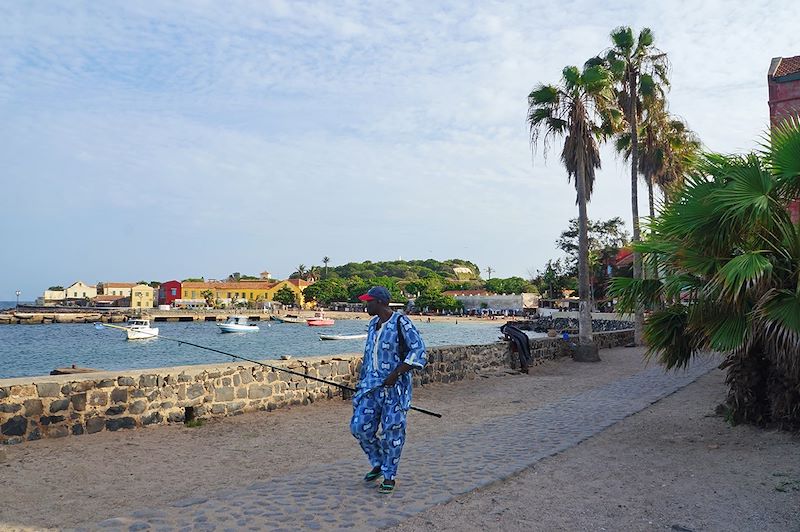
(637, 257)
(586, 350)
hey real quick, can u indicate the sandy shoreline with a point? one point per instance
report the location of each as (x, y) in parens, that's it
(672, 464)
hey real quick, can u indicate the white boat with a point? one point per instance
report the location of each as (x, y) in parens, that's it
(289, 319)
(342, 336)
(237, 324)
(140, 330)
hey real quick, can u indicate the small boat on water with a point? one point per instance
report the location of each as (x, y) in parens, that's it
(342, 336)
(140, 330)
(237, 324)
(289, 319)
(319, 320)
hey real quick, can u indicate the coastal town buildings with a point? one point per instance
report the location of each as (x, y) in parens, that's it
(80, 291)
(233, 292)
(142, 296)
(115, 289)
(168, 292)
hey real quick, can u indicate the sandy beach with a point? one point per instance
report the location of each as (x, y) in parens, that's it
(674, 465)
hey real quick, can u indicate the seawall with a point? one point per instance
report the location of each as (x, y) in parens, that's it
(32, 408)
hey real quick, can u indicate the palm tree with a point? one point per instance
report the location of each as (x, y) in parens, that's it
(489, 270)
(325, 261)
(573, 109)
(730, 259)
(640, 70)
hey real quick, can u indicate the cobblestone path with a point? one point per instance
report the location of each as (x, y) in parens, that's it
(332, 496)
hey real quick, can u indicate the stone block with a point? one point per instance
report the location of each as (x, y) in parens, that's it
(4, 392)
(167, 392)
(66, 389)
(16, 426)
(33, 407)
(77, 429)
(58, 431)
(97, 398)
(151, 418)
(218, 408)
(79, 402)
(343, 367)
(9, 408)
(136, 393)
(236, 406)
(59, 405)
(226, 381)
(106, 383)
(325, 370)
(225, 393)
(119, 395)
(195, 390)
(35, 434)
(147, 381)
(272, 376)
(82, 386)
(48, 389)
(115, 410)
(180, 391)
(137, 407)
(246, 376)
(166, 405)
(183, 377)
(120, 423)
(259, 391)
(125, 381)
(236, 380)
(176, 417)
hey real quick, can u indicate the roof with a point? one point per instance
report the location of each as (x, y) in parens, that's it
(255, 285)
(118, 285)
(110, 298)
(785, 69)
(624, 257)
(299, 282)
(468, 293)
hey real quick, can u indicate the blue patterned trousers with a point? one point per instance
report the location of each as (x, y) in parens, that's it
(380, 406)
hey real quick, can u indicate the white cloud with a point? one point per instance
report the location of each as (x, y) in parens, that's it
(181, 121)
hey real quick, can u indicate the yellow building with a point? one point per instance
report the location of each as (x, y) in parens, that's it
(115, 289)
(229, 292)
(81, 290)
(143, 296)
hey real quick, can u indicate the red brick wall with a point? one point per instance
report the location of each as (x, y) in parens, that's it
(784, 99)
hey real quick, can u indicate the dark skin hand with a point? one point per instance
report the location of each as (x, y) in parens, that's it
(382, 310)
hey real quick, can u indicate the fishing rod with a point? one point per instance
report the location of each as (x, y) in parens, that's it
(99, 325)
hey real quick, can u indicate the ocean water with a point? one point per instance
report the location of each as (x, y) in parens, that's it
(28, 350)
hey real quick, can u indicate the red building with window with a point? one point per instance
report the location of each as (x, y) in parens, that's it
(169, 292)
(783, 80)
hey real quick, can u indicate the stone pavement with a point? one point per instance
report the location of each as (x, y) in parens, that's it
(332, 496)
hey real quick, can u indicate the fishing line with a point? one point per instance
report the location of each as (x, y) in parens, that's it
(99, 326)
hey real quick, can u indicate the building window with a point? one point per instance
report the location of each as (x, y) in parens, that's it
(84, 294)
(251, 295)
(193, 292)
(173, 291)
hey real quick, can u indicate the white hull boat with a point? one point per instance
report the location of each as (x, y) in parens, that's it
(140, 330)
(342, 336)
(237, 324)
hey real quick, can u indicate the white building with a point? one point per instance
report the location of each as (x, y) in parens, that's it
(80, 290)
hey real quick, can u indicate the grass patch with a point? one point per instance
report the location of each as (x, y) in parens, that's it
(195, 423)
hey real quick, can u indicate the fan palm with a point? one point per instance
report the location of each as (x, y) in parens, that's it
(640, 70)
(325, 260)
(730, 252)
(574, 110)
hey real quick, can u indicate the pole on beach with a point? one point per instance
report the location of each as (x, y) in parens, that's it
(100, 325)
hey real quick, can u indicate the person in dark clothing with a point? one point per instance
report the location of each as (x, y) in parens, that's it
(519, 344)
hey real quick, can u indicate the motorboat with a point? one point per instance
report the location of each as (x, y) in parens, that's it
(319, 320)
(342, 336)
(289, 319)
(237, 324)
(140, 330)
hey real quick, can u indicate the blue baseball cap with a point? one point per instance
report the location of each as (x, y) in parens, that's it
(377, 293)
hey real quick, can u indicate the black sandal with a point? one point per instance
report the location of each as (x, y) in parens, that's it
(373, 474)
(386, 487)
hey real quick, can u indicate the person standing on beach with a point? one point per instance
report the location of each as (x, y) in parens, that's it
(383, 394)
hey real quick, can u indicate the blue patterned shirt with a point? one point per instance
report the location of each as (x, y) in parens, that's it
(378, 364)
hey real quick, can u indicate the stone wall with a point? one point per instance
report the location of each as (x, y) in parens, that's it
(56, 406)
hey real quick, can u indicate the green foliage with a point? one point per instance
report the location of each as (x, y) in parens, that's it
(193, 280)
(434, 300)
(57, 287)
(327, 291)
(285, 296)
(511, 285)
(729, 279)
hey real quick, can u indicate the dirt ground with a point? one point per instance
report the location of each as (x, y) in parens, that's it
(672, 465)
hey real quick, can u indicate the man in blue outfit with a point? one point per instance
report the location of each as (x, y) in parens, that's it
(383, 395)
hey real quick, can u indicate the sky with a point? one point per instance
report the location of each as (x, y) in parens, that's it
(166, 140)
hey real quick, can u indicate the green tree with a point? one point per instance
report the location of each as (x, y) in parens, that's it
(57, 287)
(326, 291)
(436, 300)
(730, 277)
(640, 70)
(573, 110)
(208, 295)
(285, 296)
(325, 260)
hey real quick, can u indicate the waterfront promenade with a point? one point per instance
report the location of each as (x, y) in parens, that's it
(551, 450)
